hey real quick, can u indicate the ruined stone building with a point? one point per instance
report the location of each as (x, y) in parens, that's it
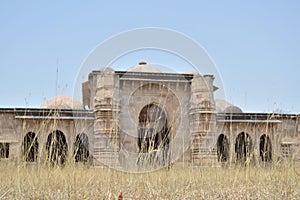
(141, 117)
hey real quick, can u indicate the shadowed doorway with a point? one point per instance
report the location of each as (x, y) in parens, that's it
(243, 147)
(57, 148)
(81, 148)
(223, 148)
(153, 134)
(30, 147)
(265, 148)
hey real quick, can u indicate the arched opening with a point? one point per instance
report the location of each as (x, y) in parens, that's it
(153, 133)
(265, 148)
(57, 147)
(223, 148)
(30, 147)
(243, 147)
(81, 148)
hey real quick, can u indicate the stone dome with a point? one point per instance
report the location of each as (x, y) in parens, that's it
(223, 106)
(232, 109)
(192, 72)
(62, 102)
(107, 70)
(143, 67)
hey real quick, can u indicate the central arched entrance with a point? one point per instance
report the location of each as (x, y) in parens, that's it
(243, 147)
(57, 148)
(153, 135)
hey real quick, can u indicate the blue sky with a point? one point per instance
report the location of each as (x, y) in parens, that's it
(256, 46)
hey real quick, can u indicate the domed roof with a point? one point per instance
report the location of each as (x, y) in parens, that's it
(223, 106)
(143, 67)
(232, 109)
(192, 72)
(107, 70)
(62, 102)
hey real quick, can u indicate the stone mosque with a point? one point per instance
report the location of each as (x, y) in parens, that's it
(142, 117)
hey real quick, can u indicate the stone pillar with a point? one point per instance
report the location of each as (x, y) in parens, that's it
(106, 130)
(203, 120)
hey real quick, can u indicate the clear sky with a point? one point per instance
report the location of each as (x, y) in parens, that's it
(256, 46)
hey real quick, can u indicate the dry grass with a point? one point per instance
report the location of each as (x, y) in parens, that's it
(80, 182)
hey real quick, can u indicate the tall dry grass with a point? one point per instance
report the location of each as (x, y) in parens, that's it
(82, 182)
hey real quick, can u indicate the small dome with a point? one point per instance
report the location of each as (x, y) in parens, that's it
(192, 72)
(107, 70)
(223, 106)
(143, 67)
(232, 109)
(62, 102)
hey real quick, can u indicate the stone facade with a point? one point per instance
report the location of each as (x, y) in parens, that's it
(17, 124)
(142, 117)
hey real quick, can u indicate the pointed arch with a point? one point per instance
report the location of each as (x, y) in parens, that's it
(153, 136)
(243, 147)
(30, 147)
(57, 148)
(153, 128)
(223, 148)
(81, 148)
(265, 148)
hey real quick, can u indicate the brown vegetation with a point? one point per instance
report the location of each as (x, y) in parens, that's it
(81, 182)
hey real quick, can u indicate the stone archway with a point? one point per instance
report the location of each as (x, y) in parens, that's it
(223, 148)
(265, 148)
(57, 148)
(243, 147)
(81, 148)
(30, 147)
(153, 134)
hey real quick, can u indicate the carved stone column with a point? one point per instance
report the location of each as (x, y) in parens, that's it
(203, 120)
(107, 109)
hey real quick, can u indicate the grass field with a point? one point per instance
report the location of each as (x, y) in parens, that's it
(81, 182)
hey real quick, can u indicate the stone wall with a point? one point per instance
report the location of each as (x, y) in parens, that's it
(15, 124)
